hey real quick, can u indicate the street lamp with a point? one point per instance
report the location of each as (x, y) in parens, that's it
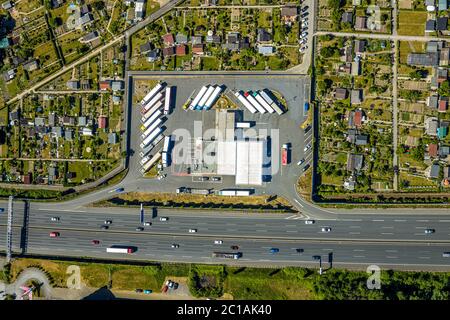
(320, 263)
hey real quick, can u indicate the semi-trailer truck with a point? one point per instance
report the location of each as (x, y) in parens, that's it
(205, 97)
(151, 111)
(272, 103)
(115, 249)
(245, 102)
(227, 255)
(284, 154)
(150, 95)
(167, 101)
(150, 104)
(198, 97)
(212, 99)
(150, 120)
(150, 162)
(263, 102)
(254, 103)
(152, 136)
(150, 129)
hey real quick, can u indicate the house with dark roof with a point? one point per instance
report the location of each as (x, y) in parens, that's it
(146, 47)
(360, 46)
(430, 26)
(432, 172)
(441, 24)
(263, 36)
(57, 131)
(444, 56)
(432, 101)
(213, 39)
(361, 140)
(289, 13)
(168, 52)
(181, 38)
(347, 17)
(356, 96)
(153, 55)
(444, 151)
(31, 65)
(429, 59)
(354, 162)
(91, 36)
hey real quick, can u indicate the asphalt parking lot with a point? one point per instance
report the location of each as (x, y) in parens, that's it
(282, 128)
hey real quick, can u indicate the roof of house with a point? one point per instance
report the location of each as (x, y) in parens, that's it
(213, 39)
(180, 50)
(90, 36)
(433, 150)
(102, 122)
(354, 161)
(361, 139)
(442, 105)
(112, 138)
(73, 84)
(423, 59)
(434, 171)
(197, 48)
(431, 126)
(82, 121)
(196, 39)
(265, 50)
(442, 5)
(356, 96)
(30, 65)
(169, 51)
(289, 11)
(444, 151)
(360, 46)
(441, 23)
(347, 17)
(168, 39)
(146, 47)
(263, 35)
(181, 38)
(360, 22)
(430, 25)
(341, 93)
(117, 85)
(106, 84)
(432, 101)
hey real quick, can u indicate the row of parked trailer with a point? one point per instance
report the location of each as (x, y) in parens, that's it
(259, 101)
(155, 105)
(206, 97)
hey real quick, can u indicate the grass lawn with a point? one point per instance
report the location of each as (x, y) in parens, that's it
(412, 23)
(81, 169)
(416, 181)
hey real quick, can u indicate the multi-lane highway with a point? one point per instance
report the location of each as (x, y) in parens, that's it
(392, 240)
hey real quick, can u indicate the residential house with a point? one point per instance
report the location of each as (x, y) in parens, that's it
(91, 36)
(360, 23)
(360, 46)
(430, 59)
(442, 5)
(446, 181)
(432, 150)
(105, 85)
(356, 96)
(51, 119)
(361, 140)
(441, 74)
(153, 55)
(181, 38)
(432, 102)
(441, 24)
(57, 131)
(263, 36)
(430, 26)
(67, 121)
(266, 50)
(116, 100)
(432, 172)
(85, 84)
(27, 178)
(169, 51)
(351, 135)
(9, 75)
(73, 84)
(442, 106)
(68, 134)
(444, 151)
(444, 56)
(112, 138)
(7, 5)
(180, 50)
(431, 126)
(87, 131)
(168, 39)
(347, 17)
(356, 119)
(102, 122)
(442, 130)
(117, 85)
(196, 40)
(340, 93)
(38, 121)
(354, 162)
(198, 49)
(139, 10)
(146, 47)
(82, 121)
(215, 39)
(356, 68)
(31, 65)
(52, 174)
(289, 13)
(232, 42)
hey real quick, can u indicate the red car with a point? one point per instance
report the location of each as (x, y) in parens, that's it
(95, 242)
(54, 234)
(165, 288)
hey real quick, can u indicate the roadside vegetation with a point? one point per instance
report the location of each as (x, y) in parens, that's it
(250, 283)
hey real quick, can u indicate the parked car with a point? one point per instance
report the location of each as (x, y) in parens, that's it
(218, 241)
(175, 245)
(446, 255)
(175, 286)
(108, 221)
(326, 229)
(307, 147)
(309, 221)
(234, 247)
(165, 288)
(139, 229)
(2, 210)
(305, 8)
(299, 250)
(54, 234)
(138, 290)
(300, 162)
(54, 219)
(429, 231)
(104, 227)
(306, 167)
(147, 291)
(192, 230)
(167, 282)
(304, 34)
(204, 178)
(96, 242)
(171, 284)
(274, 250)
(216, 178)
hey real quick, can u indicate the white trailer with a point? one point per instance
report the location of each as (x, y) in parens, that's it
(150, 104)
(144, 160)
(227, 192)
(151, 120)
(150, 162)
(151, 111)
(150, 147)
(165, 159)
(243, 193)
(166, 144)
(212, 99)
(152, 136)
(167, 101)
(119, 250)
(198, 97)
(152, 92)
(272, 103)
(243, 124)
(235, 192)
(245, 102)
(263, 103)
(205, 97)
(150, 129)
(255, 103)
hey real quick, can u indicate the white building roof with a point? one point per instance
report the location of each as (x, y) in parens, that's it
(249, 160)
(226, 157)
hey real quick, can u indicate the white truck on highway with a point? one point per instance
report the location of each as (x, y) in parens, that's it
(115, 249)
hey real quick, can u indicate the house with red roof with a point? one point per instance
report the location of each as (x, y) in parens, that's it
(168, 39)
(442, 107)
(180, 50)
(105, 85)
(102, 122)
(433, 150)
(198, 49)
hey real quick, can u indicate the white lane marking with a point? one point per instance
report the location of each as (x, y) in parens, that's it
(424, 257)
(444, 220)
(359, 250)
(422, 220)
(298, 203)
(420, 227)
(391, 257)
(378, 220)
(400, 220)
(297, 218)
(359, 256)
(187, 256)
(292, 231)
(65, 210)
(391, 250)
(290, 217)
(387, 233)
(387, 227)
(354, 232)
(355, 227)
(351, 219)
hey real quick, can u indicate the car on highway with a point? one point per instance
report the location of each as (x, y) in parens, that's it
(147, 291)
(54, 234)
(325, 229)
(108, 222)
(307, 147)
(175, 245)
(118, 190)
(234, 247)
(216, 178)
(274, 250)
(218, 241)
(306, 167)
(429, 231)
(204, 178)
(104, 227)
(2, 210)
(309, 221)
(146, 223)
(163, 219)
(54, 219)
(192, 230)
(139, 229)
(300, 162)
(446, 255)
(96, 242)
(298, 250)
